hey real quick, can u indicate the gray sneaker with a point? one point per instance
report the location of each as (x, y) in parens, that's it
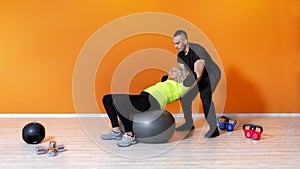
(126, 141)
(112, 136)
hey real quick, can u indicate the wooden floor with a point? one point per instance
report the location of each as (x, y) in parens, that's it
(278, 148)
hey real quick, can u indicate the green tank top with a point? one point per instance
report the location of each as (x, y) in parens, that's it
(167, 92)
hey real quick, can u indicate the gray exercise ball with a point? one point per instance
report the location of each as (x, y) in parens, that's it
(156, 126)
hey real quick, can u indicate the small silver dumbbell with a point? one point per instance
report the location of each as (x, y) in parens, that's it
(60, 148)
(41, 150)
(52, 144)
(52, 152)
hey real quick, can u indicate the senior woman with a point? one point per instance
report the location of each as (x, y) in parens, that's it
(154, 97)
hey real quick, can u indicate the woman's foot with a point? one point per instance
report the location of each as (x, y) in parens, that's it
(112, 135)
(127, 140)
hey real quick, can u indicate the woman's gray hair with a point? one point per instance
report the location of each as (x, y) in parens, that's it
(181, 74)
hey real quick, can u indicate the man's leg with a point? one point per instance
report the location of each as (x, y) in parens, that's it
(209, 110)
(186, 104)
(215, 77)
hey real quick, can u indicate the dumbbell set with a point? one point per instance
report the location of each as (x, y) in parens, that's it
(226, 123)
(52, 150)
(250, 130)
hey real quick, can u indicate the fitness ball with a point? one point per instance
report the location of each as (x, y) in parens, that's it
(33, 133)
(156, 126)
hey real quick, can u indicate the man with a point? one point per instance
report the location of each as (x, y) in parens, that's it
(204, 76)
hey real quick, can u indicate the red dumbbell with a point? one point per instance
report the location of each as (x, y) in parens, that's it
(257, 131)
(248, 130)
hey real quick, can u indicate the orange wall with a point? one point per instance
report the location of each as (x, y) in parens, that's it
(257, 41)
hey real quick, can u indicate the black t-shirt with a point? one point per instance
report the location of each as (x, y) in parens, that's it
(189, 61)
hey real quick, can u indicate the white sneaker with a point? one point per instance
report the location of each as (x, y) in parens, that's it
(112, 135)
(127, 141)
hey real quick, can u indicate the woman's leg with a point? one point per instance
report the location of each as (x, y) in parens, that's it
(107, 101)
(115, 134)
(127, 105)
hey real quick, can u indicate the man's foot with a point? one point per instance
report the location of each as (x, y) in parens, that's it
(186, 127)
(112, 135)
(213, 132)
(127, 140)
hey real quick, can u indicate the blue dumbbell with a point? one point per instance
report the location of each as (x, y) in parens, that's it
(226, 123)
(231, 124)
(222, 122)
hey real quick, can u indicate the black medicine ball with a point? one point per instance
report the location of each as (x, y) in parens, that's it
(33, 133)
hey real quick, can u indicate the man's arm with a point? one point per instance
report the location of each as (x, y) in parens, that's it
(198, 68)
(194, 77)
